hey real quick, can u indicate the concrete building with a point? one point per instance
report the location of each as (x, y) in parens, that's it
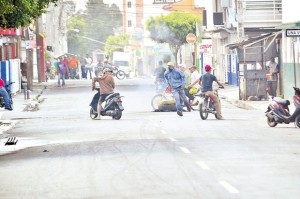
(135, 14)
(290, 45)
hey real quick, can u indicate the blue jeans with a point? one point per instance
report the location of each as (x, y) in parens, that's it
(61, 76)
(180, 96)
(5, 96)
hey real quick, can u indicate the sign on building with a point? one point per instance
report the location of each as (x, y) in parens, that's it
(292, 32)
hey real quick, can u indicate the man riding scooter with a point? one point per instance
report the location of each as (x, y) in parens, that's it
(107, 85)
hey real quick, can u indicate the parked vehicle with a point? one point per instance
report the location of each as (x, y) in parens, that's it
(207, 105)
(278, 111)
(123, 61)
(120, 74)
(7, 88)
(112, 106)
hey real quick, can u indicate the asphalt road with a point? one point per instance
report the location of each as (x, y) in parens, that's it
(146, 154)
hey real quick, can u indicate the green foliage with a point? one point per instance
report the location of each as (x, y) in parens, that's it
(116, 43)
(96, 23)
(14, 14)
(76, 44)
(101, 20)
(172, 28)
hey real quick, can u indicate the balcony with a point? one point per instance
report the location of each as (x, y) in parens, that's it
(262, 13)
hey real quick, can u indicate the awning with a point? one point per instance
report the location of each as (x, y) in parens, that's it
(289, 25)
(253, 40)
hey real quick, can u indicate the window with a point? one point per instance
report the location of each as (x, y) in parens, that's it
(129, 4)
(129, 23)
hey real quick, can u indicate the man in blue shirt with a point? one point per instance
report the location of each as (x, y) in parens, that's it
(176, 80)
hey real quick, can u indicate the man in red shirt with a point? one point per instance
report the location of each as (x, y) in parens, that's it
(5, 95)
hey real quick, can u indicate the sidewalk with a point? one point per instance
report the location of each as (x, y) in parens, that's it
(231, 95)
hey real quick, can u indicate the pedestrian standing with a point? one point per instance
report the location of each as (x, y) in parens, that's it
(61, 72)
(66, 62)
(194, 77)
(187, 74)
(273, 71)
(176, 80)
(88, 66)
(73, 64)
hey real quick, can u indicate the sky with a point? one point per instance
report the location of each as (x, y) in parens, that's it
(80, 4)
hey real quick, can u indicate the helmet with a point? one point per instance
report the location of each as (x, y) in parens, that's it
(107, 69)
(208, 68)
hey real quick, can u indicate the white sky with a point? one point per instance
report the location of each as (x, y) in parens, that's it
(80, 4)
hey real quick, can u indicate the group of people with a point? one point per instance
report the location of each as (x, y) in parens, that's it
(182, 81)
(66, 67)
(91, 68)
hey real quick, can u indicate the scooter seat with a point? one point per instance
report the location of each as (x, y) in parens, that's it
(112, 95)
(281, 101)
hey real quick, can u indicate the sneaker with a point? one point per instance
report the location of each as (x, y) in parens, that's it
(179, 113)
(188, 109)
(220, 118)
(98, 117)
(8, 108)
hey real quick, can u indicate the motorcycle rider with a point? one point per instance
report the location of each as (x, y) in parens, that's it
(107, 85)
(5, 95)
(206, 82)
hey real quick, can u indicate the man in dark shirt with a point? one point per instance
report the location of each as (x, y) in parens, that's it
(206, 82)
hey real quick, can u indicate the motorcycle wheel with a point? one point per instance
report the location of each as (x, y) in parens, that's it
(93, 115)
(118, 114)
(203, 110)
(271, 123)
(297, 121)
(120, 74)
(156, 100)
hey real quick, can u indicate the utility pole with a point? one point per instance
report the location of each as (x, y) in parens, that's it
(240, 18)
(29, 61)
(38, 54)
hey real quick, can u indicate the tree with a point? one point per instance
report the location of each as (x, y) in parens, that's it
(101, 20)
(172, 29)
(14, 14)
(76, 44)
(116, 43)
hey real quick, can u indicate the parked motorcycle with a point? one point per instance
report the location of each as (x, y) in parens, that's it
(112, 106)
(207, 105)
(118, 73)
(278, 111)
(7, 88)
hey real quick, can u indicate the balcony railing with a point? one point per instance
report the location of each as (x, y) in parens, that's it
(262, 11)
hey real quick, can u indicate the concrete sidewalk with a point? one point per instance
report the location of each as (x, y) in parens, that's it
(231, 95)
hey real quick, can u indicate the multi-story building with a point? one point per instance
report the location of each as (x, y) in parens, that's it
(135, 14)
(290, 45)
(241, 33)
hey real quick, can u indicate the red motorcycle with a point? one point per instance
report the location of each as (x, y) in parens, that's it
(278, 111)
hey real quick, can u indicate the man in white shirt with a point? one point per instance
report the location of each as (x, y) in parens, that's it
(273, 71)
(194, 77)
(88, 65)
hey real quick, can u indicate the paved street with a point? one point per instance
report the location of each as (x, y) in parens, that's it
(146, 154)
